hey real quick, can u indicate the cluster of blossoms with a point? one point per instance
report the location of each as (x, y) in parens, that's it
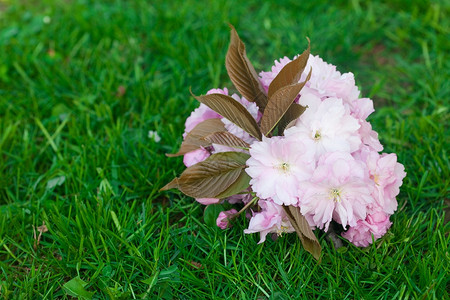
(327, 163)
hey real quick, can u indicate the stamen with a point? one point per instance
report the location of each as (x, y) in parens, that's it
(284, 167)
(317, 135)
(375, 178)
(335, 195)
(283, 229)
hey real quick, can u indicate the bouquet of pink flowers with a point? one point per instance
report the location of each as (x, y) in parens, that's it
(295, 149)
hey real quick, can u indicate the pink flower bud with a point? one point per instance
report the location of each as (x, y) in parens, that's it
(222, 219)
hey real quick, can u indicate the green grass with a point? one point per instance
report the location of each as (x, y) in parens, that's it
(78, 96)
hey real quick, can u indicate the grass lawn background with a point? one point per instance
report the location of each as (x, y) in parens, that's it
(82, 83)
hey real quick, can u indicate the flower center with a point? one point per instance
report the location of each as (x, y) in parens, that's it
(375, 178)
(284, 167)
(283, 229)
(317, 135)
(335, 195)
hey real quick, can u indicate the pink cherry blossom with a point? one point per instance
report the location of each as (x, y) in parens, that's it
(326, 81)
(217, 148)
(277, 166)
(207, 201)
(369, 137)
(375, 224)
(327, 164)
(223, 218)
(196, 156)
(244, 197)
(388, 176)
(267, 77)
(199, 115)
(361, 108)
(223, 91)
(327, 124)
(272, 218)
(339, 189)
(202, 113)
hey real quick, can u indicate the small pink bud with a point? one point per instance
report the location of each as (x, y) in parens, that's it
(222, 219)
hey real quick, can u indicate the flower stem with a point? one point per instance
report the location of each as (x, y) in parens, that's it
(251, 202)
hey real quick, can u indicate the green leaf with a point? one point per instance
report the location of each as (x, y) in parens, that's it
(232, 110)
(293, 113)
(194, 139)
(170, 272)
(242, 73)
(241, 184)
(227, 139)
(107, 271)
(151, 281)
(211, 177)
(116, 222)
(290, 73)
(211, 213)
(279, 104)
(304, 232)
(75, 288)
